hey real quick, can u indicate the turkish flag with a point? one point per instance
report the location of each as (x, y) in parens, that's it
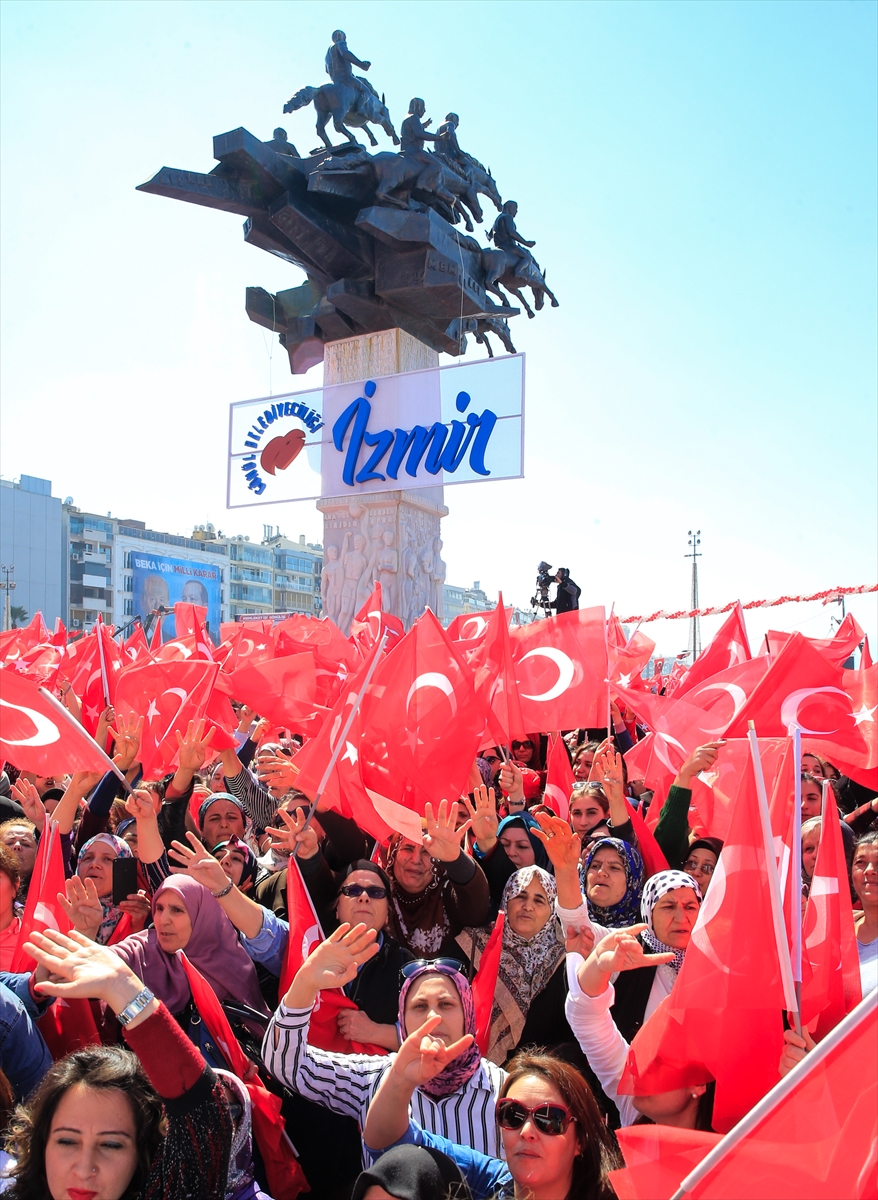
(559, 779)
(830, 943)
(168, 695)
(42, 908)
(189, 621)
(723, 1018)
(371, 622)
(37, 734)
(282, 689)
(305, 934)
(285, 1177)
(136, 648)
(93, 665)
(657, 1157)
(491, 662)
(652, 854)
(859, 761)
(561, 671)
(484, 984)
(729, 648)
(220, 717)
(627, 657)
(155, 642)
(836, 650)
(320, 634)
(865, 655)
(41, 664)
(250, 642)
(816, 1136)
(16, 642)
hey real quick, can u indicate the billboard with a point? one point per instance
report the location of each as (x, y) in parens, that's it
(159, 580)
(457, 424)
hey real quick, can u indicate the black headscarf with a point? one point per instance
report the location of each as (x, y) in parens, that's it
(414, 1173)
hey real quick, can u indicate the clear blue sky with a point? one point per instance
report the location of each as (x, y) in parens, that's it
(701, 182)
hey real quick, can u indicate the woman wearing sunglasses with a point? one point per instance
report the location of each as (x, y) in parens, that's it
(554, 1141)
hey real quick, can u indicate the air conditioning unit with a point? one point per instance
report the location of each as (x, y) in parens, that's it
(75, 623)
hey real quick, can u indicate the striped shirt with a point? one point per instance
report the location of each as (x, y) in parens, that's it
(346, 1083)
(259, 804)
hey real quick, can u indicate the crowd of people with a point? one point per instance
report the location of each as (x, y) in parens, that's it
(391, 1072)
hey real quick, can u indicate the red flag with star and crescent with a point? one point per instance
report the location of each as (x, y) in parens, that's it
(561, 671)
(35, 736)
(168, 695)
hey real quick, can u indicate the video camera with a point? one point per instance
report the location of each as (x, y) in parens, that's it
(544, 581)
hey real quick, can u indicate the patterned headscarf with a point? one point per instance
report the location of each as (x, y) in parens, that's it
(250, 869)
(111, 915)
(526, 965)
(656, 887)
(461, 1069)
(417, 920)
(627, 911)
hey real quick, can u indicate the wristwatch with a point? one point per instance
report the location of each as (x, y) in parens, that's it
(137, 1005)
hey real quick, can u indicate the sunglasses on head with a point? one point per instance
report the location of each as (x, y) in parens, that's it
(445, 966)
(552, 1119)
(373, 891)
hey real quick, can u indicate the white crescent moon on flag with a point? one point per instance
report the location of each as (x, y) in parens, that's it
(376, 614)
(481, 625)
(46, 732)
(662, 740)
(565, 672)
(738, 695)
(709, 908)
(185, 651)
(737, 654)
(789, 710)
(436, 680)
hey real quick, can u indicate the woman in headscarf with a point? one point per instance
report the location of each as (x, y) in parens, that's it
(622, 982)
(458, 1103)
(435, 888)
(187, 917)
(241, 1182)
(531, 984)
(95, 864)
(412, 1173)
(612, 875)
(502, 847)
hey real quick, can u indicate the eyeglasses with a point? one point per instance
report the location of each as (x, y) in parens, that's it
(522, 745)
(552, 1119)
(445, 966)
(353, 890)
(705, 868)
(236, 1111)
(490, 758)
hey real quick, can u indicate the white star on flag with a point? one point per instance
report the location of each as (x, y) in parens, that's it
(350, 754)
(624, 681)
(152, 711)
(864, 714)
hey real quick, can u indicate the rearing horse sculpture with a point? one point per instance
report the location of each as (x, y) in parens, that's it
(357, 106)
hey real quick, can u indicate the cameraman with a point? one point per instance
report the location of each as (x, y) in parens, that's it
(567, 596)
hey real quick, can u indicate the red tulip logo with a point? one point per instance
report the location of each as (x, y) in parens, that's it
(282, 451)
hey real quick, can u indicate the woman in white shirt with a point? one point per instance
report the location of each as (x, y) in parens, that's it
(864, 876)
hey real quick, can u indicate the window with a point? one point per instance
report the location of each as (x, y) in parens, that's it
(89, 548)
(128, 608)
(127, 584)
(128, 564)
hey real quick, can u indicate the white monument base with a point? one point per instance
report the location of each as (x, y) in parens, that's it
(390, 537)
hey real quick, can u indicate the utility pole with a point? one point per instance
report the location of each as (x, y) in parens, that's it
(7, 585)
(695, 626)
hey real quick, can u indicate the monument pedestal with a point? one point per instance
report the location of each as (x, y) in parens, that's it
(391, 537)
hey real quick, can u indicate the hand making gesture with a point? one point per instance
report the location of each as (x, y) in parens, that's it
(332, 964)
(483, 817)
(422, 1057)
(126, 732)
(302, 842)
(82, 906)
(194, 746)
(441, 839)
(618, 951)
(195, 861)
(29, 798)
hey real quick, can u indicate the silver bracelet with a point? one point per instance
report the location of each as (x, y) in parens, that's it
(224, 892)
(137, 1005)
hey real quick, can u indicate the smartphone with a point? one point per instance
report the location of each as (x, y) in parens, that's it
(124, 878)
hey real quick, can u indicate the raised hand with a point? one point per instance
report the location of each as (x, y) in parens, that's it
(194, 860)
(141, 805)
(607, 768)
(334, 962)
(511, 781)
(441, 839)
(193, 747)
(621, 951)
(563, 846)
(126, 732)
(483, 817)
(80, 968)
(595, 774)
(701, 759)
(579, 940)
(138, 906)
(263, 726)
(105, 721)
(355, 1026)
(29, 798)
(422, 1057)
(245, 718)
(295, 838)
(277, 772)
(82, 906)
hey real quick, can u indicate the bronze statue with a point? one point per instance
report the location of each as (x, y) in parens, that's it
(512, 263)
(448, 149)
(280, 143)
(349, 98)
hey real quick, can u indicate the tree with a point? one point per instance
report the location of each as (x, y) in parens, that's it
(17, 613)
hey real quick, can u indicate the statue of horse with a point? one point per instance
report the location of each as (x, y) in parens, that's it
(354, 106)
(499, 267)
(480, 327)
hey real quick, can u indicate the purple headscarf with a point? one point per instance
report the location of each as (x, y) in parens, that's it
(213, 948)
(461, 1069)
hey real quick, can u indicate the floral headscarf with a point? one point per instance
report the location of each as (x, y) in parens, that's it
(526, 965)
(627, 911)
(461, 1069)
(111, 915)
(656, 887)
(417, 920)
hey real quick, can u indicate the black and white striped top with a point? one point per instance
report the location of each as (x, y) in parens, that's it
(346, 1084)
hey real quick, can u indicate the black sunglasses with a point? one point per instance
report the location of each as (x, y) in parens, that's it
(548, 1118)
(522, 745)
(444, 966)
(374, 892)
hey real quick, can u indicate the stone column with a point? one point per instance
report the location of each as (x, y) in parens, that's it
(388, 536)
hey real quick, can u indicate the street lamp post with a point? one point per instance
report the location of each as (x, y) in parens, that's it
(7, 585)
(695, 627)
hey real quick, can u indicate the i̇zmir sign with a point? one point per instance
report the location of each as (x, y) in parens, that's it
(455, 424)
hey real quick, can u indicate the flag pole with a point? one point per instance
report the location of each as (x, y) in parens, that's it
(333, 758)
(796, 867)
(811, 1062)
(105, 686)
(81, 732)
(609, 692)
(780, 935)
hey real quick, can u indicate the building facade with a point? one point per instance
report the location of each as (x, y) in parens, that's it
(33, 549)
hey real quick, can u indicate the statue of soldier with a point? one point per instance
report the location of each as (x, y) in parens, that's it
(413, 133)
(339, 61)
(506, 237)
(281, 144)
(447, 145)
